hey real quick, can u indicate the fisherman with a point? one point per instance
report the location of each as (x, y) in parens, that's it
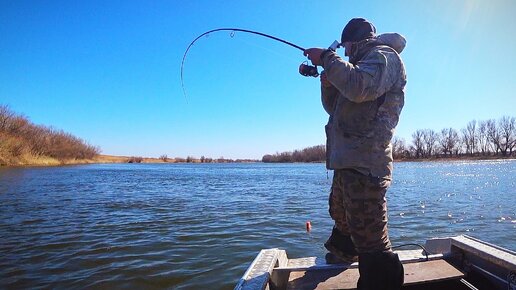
(363, 97)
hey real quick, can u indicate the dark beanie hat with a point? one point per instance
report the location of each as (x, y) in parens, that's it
(358, 29)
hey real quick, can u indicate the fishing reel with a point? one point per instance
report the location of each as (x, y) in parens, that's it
(308, 70)
(311, 71)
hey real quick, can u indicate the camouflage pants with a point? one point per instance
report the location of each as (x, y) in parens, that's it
(359, 209)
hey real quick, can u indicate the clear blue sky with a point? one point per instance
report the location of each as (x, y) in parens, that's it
(109, 71)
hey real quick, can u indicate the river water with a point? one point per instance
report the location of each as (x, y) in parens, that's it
(199, 226)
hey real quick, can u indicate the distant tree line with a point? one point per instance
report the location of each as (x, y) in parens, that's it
(203, 159)
(489, 138)
(310, 154)
(21, 139)
(484, 138)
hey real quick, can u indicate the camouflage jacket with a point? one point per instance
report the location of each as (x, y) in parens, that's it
(364, 105)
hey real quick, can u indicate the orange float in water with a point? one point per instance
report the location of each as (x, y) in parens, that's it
(308, 226)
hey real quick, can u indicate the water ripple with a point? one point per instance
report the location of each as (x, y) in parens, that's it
(193, 226)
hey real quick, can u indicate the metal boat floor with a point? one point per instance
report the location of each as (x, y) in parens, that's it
(483, 266)
(406, 256)
(415, 273)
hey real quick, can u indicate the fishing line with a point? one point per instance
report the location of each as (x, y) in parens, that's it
(251, 44)
(232, 34)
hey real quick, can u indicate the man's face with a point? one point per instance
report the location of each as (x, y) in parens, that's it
(347, 48)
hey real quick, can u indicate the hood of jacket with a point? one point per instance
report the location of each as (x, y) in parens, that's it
(394, 40)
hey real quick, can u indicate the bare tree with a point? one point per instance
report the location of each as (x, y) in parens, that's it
(17, 125)
(399, 148)
(5, 116)
(469, 137)
(37, 138)
(190, 159)
(417, 143)
(430, 138)
(493, 135)
(507, 134)
(472, 135)
(483, 141)
(448, 141)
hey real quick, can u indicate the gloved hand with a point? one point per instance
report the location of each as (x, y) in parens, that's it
(314, 55)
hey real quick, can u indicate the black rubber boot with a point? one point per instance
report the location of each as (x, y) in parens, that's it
(380, 271)
(341, 248)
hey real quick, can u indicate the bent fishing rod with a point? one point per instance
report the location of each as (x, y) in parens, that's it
(304, 68)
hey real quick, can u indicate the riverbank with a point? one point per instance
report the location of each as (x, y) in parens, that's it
(106, 159)
(49, 161)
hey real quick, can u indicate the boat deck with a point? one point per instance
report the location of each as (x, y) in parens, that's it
(415, 273)
(458, 263)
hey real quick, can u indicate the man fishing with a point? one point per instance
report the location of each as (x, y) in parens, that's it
(364, 98)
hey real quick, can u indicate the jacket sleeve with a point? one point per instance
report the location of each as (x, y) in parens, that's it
(329, 97)
(365, 81)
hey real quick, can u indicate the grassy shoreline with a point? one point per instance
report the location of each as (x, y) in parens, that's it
(26, 161)
(49, 161)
